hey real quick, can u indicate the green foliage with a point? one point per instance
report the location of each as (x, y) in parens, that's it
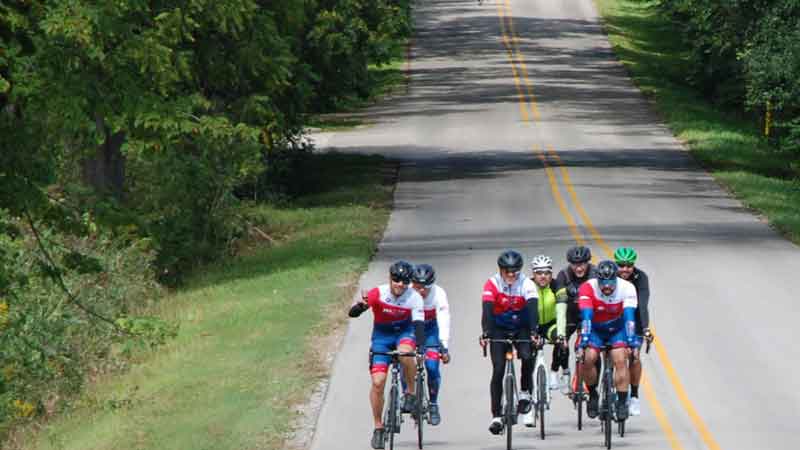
(745, 53)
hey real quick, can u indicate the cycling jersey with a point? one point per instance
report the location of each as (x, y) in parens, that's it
(393, 318)
(509, 307)
(608, 320)
(565, 285)
(547, 304)
(437, 315)
(642, 285)
(394, 314)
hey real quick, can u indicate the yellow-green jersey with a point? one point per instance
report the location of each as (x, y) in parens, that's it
(552, 315)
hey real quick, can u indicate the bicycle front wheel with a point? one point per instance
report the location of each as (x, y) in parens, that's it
(579, 394)
(607, 407)
(394, 424)
(419, 408)
(509, 409)
(541, 382)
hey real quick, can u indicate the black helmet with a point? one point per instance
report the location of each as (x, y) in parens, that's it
(607, 271)
(579, 254)
(423, 274)
(510, 260)
(401, 271)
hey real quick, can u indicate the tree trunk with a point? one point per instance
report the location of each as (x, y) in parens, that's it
(105, 170)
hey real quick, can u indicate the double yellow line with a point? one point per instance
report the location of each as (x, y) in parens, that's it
(528, 103)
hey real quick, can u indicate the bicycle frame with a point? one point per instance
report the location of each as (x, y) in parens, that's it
(393, 416)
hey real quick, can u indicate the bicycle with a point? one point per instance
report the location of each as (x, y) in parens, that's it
(393, 417)
(422, 407)
(510, 393)
(541, 389)
(576, 392)
(608, 398)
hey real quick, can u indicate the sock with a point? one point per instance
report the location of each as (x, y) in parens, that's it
(634, 391)
(593, 390)
(622, 396)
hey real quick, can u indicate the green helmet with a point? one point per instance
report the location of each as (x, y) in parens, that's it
(625, 255)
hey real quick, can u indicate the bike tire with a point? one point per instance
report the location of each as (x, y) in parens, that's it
(622, 428)
(541, 380)
(607, 380)
(393, 405)
(579, 394)
(509, 410)
(420, 387)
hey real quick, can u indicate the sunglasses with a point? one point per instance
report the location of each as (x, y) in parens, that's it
(542, 272)
(624, 265)
(607, 283)
(403, 280)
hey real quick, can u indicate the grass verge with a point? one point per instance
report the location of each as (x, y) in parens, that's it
(728, 146)
(248, 328)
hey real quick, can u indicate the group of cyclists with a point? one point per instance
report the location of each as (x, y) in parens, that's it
(606, 303)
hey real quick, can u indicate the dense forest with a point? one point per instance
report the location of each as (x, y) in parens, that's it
(131, 133)
(744, 55)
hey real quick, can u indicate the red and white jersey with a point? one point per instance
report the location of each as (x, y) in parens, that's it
(392, 312)
(510, 301)
(607, 308)
(437, 308)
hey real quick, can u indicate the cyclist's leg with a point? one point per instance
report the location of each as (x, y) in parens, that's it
(498, 354)
(432, 362)
(378, 368)
(526, 354)
(619, 356)
(635, 369)
(405, 342)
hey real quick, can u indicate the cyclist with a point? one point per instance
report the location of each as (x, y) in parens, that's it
(568, 280)
(608, 305)
(437, 331)
(510, 308)
(542, 276)
(625, 257)
(399, 324)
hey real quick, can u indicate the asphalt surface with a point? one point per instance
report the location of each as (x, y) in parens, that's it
(518, 123)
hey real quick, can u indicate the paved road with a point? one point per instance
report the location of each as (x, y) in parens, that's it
(521, 130)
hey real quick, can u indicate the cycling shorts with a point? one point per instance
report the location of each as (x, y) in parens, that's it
(383, 341)
(600, 337)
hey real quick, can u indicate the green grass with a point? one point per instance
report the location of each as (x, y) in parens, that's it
(728, 145)
(248, 328)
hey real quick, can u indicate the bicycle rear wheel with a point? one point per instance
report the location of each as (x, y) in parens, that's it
(509, 409)
(420, 387)
(541, 382)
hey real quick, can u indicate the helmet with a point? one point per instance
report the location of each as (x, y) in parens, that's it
(510, 260)
(607, 273)
(423, 274)
(625, 255)
(401, 271)
(579, 254)
(542, 262)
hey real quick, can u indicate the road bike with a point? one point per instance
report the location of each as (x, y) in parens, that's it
(393, 417)
(577, 391)
(608, 398)
(510, 393)
(422, 408)
(541, 389)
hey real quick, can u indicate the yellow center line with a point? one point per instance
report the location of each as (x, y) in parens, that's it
(521, 62)
(509, 52)
(672, 375)
(562, 205)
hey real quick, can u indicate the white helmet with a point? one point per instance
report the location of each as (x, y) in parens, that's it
(542, 262)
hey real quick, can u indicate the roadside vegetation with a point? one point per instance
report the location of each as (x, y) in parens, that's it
(252, 327)
(149, 151)
(724, 78)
